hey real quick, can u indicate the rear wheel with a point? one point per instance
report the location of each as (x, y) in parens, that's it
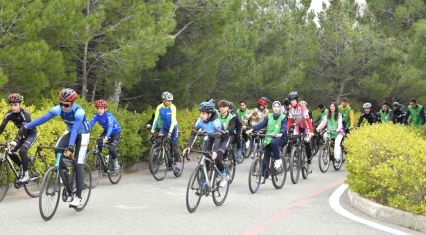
(255, 175)
(49, 194)
(295, 165)
(279, 176)
(4, 178)
(229, 163)
(194, 189)
(87, 187)
(36, 169)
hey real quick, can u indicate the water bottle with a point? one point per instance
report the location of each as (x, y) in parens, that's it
(107, 158)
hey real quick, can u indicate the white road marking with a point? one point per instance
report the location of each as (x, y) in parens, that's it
(124, 207)
(334, 202)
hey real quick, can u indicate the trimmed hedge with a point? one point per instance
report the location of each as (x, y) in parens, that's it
(387, 163)
(133, 143)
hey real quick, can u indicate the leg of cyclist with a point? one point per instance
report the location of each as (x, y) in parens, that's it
(276, 145)
(63, 143)
(265, 163)
(81, 144)
(114, 139)
(175, 149)
(224, 142)
(23, 153)
(337, 147)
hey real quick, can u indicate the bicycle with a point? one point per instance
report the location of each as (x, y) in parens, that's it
(102, 164)
(51, 185)
(255, 174)
(205, 179)
(316, 143)
(160, 159)
(298, 158)
(327, 155)
(229, 161)
(37, 166)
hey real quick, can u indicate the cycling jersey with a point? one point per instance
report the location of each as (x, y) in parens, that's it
(167, 115)
(348, 116)
(417, 115)
(242, 113)
(228, 122)
(385, 116)
(19, 119)
(371, 118)
(108, 122)
(75, 119)
(299, 114)
(332, 125)
(275, 124)
(214, 129)
(398, 116)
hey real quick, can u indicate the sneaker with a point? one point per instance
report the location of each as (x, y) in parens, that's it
(309, 169)
(24, 179)
(76, 202)
(224, 179)
(177, 167)
(262, 180)
(116, 165)
(278, 163)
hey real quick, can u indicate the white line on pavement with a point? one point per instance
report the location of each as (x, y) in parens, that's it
(124, 207)
(334, 202)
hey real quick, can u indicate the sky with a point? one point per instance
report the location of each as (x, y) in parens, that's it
(316, 5)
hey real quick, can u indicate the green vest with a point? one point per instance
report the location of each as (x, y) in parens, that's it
(345, 114)
(385, 117)
(225, 121)
(242, 114)
(416, 120)
(332, 126)
(323, 113)
(273, 127)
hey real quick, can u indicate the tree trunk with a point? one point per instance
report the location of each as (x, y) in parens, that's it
(94, 91)
(116, 92)
(341, 92)
(85, 73)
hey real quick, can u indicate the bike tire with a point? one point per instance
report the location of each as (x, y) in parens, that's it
(115, 176)
(95, 164)
(157, 159)
(50, 191)
(255, 175)
(304, 166)
(4, 179)
(87, 187)
(195, 186)
(280, 176)
(36, 169)
(324, 159)
(220, 193)
(295, 165)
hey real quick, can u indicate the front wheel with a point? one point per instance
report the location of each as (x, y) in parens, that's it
(220, 193)
(95, 164)
(36, 169)
(295, 165)
(255, 175)
(324, 159)
(157, 162)
(114, 175)
(229, 163)
(279, 176)
(4, 179)
(338, 165)
(304, 166)
(194, 189)
(49, 194)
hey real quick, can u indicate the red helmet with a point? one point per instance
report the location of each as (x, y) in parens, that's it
(101, 104)
(67, 95)
(15, 98)
(261, 102)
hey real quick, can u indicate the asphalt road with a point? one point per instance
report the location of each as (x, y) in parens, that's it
(141, 205)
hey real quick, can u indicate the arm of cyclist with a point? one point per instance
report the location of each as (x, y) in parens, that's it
(423, 116)
(174, 120)
(361, 118)
(322, 125)
(283, 132)
(351, 119)
(93, 121)
(41, 120)
(79, 117)
(260, 125)
(5, 121)
(155, 122)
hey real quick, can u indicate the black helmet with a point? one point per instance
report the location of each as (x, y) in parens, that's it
(286, 102)
(207, 107)
(294, 95)
(231, 105)
(15, 98)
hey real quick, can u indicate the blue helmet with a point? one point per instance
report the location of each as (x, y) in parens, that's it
(207, 107)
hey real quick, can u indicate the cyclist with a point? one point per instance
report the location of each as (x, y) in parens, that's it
(75, 139)
(322, 115)
(275, 124)
(385, 115)
(242, 112)
(237, 130)
(304, 103)
(19, 117)
(368, 114)
(416, 112)
(347, 114)
(111, 131)
(333, 122)
(166, 112)
(285, 107)
(299, 115)
(257, 114)
(397, 113)
(217, 138)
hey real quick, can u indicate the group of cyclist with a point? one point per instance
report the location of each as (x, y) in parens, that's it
(75, 140)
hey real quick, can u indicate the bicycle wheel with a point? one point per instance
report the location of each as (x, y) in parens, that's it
(182, 166)
(239, 160)
(87, 187)
(219, 194)
(49, 194)
(304, 166)
(157, 163)
(95, 164)
(324, 159)
(255, 175)
(229, 163)
(194, 189)
(248, 148)
(286, 155)
(295, 165)
(114, 176)
(279, 176)
(36, 169)
(4, 179)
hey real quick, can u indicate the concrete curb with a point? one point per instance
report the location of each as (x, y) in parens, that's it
(387, 214)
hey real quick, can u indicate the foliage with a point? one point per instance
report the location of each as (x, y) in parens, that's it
(391, 171)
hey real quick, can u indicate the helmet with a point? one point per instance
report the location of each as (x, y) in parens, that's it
(101, 104)
(167, 96)
(304, 103)
(367, 106)
(212, 101)
(67, 95)
(207, 107)
(294, 95)
(231, 105)
(395, 104)
(286, 101)
(262, 101)
(15, 98)
(266, 99)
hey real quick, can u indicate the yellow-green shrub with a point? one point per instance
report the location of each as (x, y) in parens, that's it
(387, 163)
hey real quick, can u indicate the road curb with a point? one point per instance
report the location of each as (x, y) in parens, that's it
(387, 214)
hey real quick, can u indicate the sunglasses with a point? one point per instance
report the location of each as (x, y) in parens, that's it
(65, 105)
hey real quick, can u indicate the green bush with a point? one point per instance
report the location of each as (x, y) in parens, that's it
(386, 163)
(133, 143)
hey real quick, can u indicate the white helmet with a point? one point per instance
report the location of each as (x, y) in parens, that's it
(367, 106)
(304, 103)
(167, 96)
